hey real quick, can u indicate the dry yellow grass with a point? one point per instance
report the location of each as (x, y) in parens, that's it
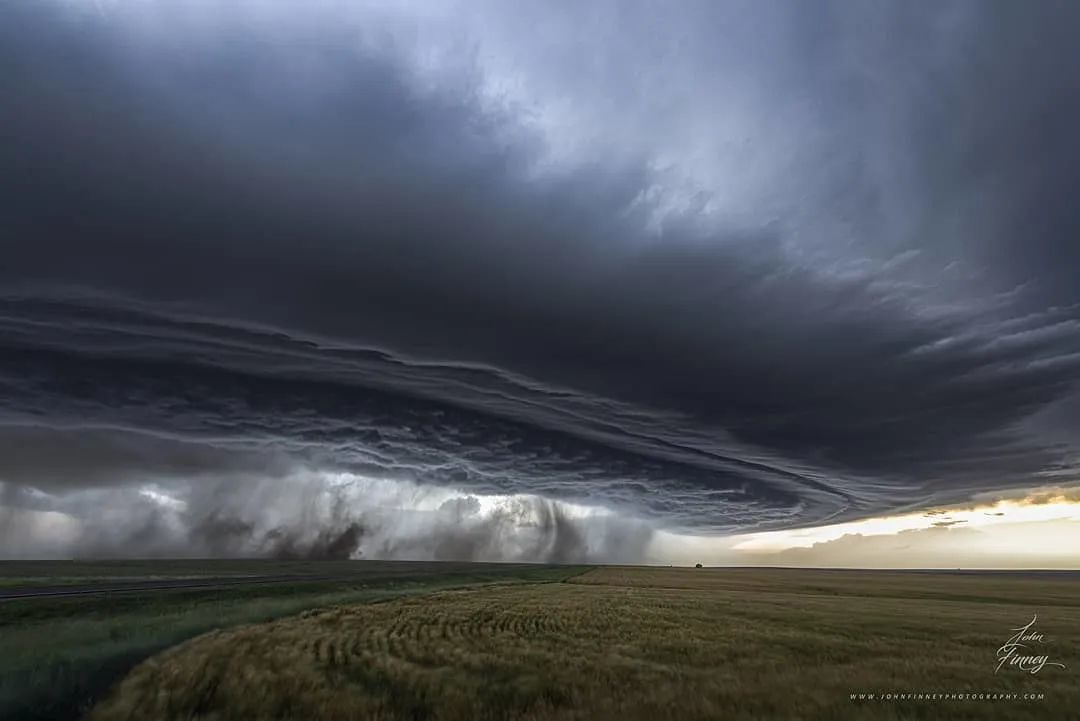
(629, 644)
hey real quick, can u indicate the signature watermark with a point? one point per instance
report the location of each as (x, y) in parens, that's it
(939, 696)
(1021, 651)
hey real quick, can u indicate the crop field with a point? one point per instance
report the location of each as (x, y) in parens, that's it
(639, 643)
(60, 653)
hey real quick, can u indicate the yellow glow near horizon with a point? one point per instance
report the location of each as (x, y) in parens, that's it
(1049, 505)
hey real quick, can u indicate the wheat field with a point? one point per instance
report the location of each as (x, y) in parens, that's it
(630, 644)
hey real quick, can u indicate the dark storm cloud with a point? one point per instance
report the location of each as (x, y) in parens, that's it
(57, 459)
(242, 242)
(999, 150)
(349, 410)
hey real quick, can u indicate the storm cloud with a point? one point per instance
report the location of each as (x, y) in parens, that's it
(723, 268)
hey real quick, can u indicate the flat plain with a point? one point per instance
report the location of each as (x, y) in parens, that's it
(59, 653)
(639, 643)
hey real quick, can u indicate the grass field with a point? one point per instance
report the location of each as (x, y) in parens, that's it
(31, 573)
(58, 655)
(636, 643)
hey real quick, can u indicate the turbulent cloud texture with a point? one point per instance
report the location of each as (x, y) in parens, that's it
(722, 268)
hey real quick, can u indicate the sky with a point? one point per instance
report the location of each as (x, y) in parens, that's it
(605, 281)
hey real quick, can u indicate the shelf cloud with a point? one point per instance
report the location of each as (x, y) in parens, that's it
(723, 269)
